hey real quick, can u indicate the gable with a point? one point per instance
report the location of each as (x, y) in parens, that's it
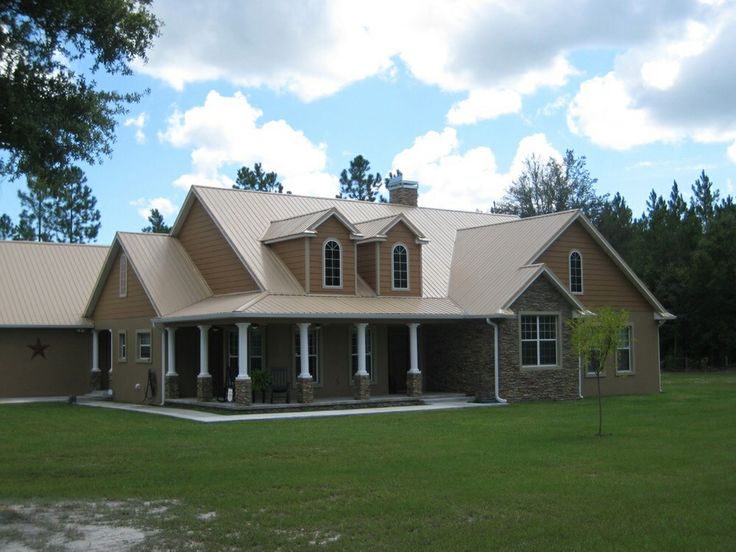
(604, 283)
(110, 306)
(214, 258)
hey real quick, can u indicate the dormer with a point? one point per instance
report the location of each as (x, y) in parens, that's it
(318, 248)
(390, 255)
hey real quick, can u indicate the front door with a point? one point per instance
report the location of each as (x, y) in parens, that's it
(398, 358)
(104, 356)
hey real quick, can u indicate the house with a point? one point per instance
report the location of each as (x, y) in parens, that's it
(345, 298)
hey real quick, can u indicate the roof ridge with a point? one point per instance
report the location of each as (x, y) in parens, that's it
(347, 200)
(536, 217)
(379, 218)
(29, 242)
(300, 216)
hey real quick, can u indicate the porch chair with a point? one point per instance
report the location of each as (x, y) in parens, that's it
(280, 383)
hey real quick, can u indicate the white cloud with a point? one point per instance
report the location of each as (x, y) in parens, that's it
(484, 104)
(455, 179)
(163, 204)
(138, 123)
(731, 152)
(226, 132)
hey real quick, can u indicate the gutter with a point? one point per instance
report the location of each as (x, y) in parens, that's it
(496, 360)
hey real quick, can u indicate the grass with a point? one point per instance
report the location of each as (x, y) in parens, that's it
(530, 476)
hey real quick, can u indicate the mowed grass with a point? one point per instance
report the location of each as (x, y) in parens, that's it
(528, 476)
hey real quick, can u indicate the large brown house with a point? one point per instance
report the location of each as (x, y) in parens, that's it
(332, 297)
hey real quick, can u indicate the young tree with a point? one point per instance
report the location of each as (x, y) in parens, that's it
(357, 182)
(76, 218)
(51, 115)
(550, 187)
(36, 220)
(156, 223)
(257, 180)
(596, 338)
(7, 228)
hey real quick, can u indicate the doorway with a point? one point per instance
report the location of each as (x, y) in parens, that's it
(398, 359)
(104, 357)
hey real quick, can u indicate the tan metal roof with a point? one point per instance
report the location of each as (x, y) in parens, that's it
(293, 227)
(491, 263)
(378, 228)
(244, 217)
(165, 270)
(47, 284)
(265, 305)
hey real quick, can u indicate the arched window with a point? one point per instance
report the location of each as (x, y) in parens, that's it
(400, 267)
(332, 260)
(576, 272)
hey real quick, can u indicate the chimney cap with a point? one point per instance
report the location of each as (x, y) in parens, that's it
(399, 182)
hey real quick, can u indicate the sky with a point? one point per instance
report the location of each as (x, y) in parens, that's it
(455, 94)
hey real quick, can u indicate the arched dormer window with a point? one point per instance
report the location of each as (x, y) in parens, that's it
(400, 267)
(332, 264)
(576, 272)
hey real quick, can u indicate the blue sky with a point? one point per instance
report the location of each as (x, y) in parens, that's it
(455, 94)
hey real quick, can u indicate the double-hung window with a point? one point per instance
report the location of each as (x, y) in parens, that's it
(539, 340)
(400, 267)
(332, 263)
(313, 353)
(255, 349)
(368, 352)
(576, 272)
(122, 346)
(143, 345)
(624, 359)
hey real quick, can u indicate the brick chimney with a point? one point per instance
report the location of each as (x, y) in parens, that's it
(403, 192)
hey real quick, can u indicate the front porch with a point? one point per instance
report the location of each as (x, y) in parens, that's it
(292, 361)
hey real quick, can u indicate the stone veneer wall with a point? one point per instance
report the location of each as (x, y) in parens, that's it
(517, 383)
(459, 358)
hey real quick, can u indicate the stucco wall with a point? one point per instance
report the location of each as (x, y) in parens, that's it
(64, 371)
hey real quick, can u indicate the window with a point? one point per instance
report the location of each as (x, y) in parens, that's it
(368, 352)
(592, 366)
(400, 267)
(623, 353)
(144, 345)
(313, 348)
(332, 259)
(122, 346)
(576, 272)
(123, 288)
(255, 349)
(539, 340)
(233, 345)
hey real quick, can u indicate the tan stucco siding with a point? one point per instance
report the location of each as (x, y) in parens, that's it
(126, 374)
(332, 228)
(64, 371)
(135, 303)
(604, 283)
(645, 375)
(213, 256)
(401, 234)
(292, 253)
(367, 263)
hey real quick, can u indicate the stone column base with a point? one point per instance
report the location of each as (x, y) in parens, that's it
(95, 380)
(172, 386)
(362, 387)
(204, 388)
(243, 391)
(413, 384)
(305, 390)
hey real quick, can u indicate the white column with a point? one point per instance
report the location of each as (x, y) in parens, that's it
(171, 351)
(304, 350)
(203, 351)
(243, 350)
(413, 355)
(361, 349)
(95, 351)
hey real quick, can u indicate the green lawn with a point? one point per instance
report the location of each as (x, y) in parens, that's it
(530, 476)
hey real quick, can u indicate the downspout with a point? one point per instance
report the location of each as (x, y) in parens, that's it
(163, 365)
(659, 354)
(496, 360)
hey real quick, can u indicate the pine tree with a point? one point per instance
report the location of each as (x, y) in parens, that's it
(615, 221)
(358, 183)
(7, 228)
(704, 200)
(36, 220)
(76, 218)
(156, 223)
(257, 180)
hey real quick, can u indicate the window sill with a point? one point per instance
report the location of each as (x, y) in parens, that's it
(627, 373)
(143, 361)
(593, 376)
(541, 368)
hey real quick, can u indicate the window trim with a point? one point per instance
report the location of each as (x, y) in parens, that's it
(569, 272)
(369, 350)
(123, 350)
(123, 276)
(138, 358)
(558, 341)
(630, 371)
(324, 263)
(296, 361)
(393, 277)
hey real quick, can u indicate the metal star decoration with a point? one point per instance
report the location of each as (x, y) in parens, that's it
(38, 349)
